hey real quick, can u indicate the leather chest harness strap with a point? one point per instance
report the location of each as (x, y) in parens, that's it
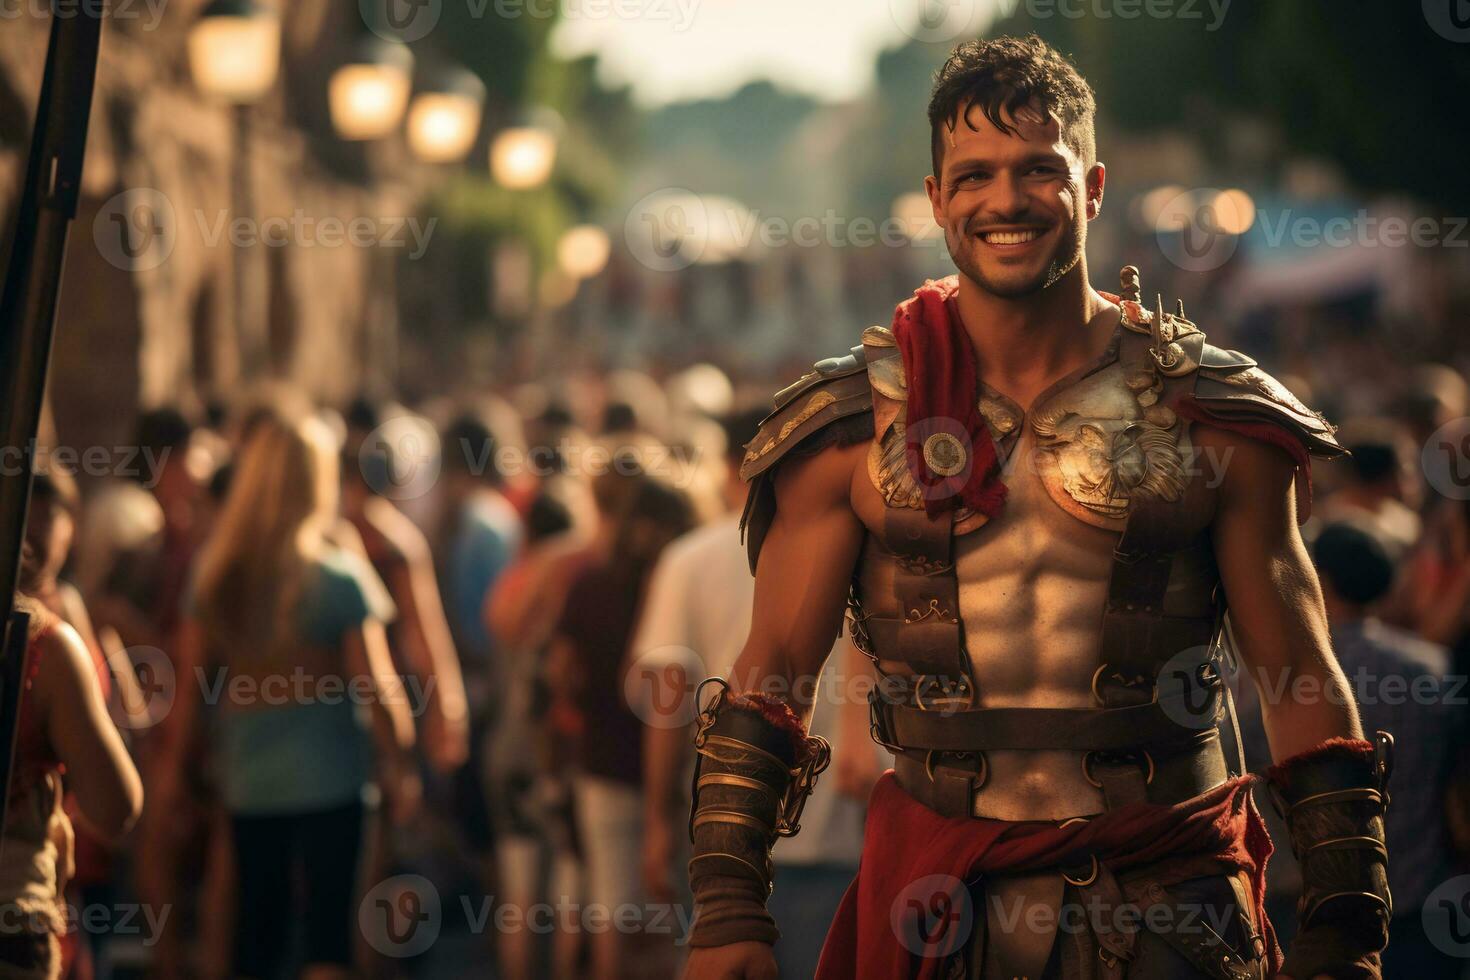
(929, 637)
(1139, 641)
(1135, 749)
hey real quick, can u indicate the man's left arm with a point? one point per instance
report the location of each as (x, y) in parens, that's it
(1275, 601)
(1327, 781)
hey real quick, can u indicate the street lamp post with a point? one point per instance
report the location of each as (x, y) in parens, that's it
(368, 96)
(235, 56)
(522, 158)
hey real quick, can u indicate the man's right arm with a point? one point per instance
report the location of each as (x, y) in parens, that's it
(804, 571)
(801, 586)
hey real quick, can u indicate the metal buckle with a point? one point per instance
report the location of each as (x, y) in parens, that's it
(1383, 762)
(942, 689)
(803, 780)
(857, 629)
(1084, 882)
(876, 726)
(709, 712)
(1134, 683)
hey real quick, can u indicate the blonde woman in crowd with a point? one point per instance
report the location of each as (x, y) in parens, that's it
(285, 632)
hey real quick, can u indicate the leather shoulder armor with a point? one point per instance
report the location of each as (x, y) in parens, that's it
(803, 419)
(1232, 387)
(835, 388)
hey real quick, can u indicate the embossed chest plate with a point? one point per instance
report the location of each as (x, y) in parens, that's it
(1104, 441)
(1103, 437)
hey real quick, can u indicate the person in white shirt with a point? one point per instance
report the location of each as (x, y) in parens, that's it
(692, 627)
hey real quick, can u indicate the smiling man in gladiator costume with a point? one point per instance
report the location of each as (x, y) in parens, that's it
(1037, 501)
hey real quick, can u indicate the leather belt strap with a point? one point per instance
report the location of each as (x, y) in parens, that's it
(985, 729)
(1093, 886)
(951, 784)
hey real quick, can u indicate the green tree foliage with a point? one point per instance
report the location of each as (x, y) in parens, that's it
(1369, 86)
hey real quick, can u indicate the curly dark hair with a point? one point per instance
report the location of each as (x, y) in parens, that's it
(1002, 74)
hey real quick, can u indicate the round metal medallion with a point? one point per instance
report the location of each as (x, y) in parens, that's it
(944, 454)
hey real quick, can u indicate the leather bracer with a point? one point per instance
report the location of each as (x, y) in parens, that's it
(1333, 799)
(754, 770)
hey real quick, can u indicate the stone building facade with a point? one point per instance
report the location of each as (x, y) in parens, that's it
(149, 313)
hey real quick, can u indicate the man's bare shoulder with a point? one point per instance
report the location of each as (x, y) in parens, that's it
(1249, 473)
(1249, 458)
(822, 479)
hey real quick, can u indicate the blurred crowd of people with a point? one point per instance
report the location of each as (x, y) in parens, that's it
(328, 652)
(451, 650)
(1390, 539)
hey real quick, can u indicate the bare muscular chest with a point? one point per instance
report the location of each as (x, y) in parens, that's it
(1032, 582)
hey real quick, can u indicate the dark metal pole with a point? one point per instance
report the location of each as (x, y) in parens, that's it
(48, 203)
(250, 280)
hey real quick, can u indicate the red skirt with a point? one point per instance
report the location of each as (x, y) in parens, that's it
(906, 843)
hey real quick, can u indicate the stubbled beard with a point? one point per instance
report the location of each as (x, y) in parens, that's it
(1063, 261)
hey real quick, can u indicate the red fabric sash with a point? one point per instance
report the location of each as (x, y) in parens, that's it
(944, 396)
(906, 842)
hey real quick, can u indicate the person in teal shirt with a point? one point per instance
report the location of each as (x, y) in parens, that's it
(284, 649)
